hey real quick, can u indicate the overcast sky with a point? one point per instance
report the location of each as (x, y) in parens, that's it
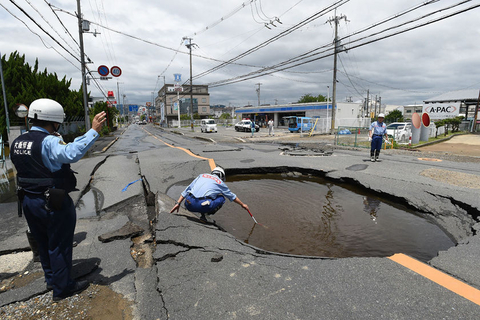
(403, 69)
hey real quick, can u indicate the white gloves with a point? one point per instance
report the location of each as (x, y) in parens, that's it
(369, 139)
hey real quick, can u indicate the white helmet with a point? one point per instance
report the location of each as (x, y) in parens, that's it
(219, 173)
(46, 110)
(381, 115)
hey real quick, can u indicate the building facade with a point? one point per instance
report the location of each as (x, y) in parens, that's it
(348, 114)
(168, 99)
(466, 99)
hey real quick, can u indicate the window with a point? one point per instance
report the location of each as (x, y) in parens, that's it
(204, 109)
(204, 100)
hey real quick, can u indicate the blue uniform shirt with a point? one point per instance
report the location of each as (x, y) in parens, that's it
(378, 128)
(208, 185)
(56, 152)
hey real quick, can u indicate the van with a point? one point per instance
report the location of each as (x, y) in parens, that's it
(208, 125)
(299, 124)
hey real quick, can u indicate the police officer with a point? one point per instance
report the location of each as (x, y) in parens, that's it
(42, 160)
(206, 194)
(378, 130)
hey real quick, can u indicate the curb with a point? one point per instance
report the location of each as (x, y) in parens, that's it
(109, 145)
(205, 139)
(438, 141)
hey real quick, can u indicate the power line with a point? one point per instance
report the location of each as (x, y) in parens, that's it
(41, 39)
(61, 22)
(41, 28)
(34, 8)
(275, 38)
(282, 66)
(229, 15)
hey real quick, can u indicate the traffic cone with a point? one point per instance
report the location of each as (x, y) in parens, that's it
(410, 141)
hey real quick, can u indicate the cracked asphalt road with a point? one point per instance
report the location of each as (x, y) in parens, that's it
(198, 271)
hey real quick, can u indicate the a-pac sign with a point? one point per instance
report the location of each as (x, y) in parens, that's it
(442, 110)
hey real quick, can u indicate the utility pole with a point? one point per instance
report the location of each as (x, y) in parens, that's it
(118, 101)
(123, 104)
(258, 92)
(376, 99)
(328, 99)
(336, 42)
(82, 60)
(474, 128)
(368, 103)
(189, 46)
(379, 104)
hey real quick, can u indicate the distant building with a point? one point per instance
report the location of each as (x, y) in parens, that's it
(218, 110)
(467, 99)
(167, 97)
(348, 114)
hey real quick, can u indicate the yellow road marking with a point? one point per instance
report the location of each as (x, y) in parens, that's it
(211, 162)
(446, 281)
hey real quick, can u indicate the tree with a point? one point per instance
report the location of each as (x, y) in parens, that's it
(394, 116)
(100, 106)
(454, 123)
(309, 98)
(225, 115)
(25, 83)
(438, 124)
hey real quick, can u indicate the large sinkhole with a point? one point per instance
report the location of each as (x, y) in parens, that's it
(309, 215)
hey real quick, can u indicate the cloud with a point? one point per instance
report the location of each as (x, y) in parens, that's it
(403, 69)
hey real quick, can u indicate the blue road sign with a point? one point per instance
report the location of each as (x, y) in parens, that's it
(103, 70)
(133, 108)
(178, 77)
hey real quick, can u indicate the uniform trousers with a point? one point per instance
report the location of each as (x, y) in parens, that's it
(54, 232)
(204, 205)
(376, 145)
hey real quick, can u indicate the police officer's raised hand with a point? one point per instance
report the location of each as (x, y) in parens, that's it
(98, 121)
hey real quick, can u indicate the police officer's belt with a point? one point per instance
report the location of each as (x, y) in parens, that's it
(39, 182)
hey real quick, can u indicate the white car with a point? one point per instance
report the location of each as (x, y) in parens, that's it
(208, 125)
(400, 131)
(245, 126)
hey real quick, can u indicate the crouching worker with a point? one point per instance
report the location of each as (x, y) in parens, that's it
(206, 194)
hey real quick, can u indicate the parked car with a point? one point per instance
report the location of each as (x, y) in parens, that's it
(245, 126)
(400, 131)
(144, 122)
(208, 125)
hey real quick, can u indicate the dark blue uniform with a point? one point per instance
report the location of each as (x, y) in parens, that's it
(379, 130)
(43, 172)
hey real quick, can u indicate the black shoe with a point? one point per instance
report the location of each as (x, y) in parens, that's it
(77, 288)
